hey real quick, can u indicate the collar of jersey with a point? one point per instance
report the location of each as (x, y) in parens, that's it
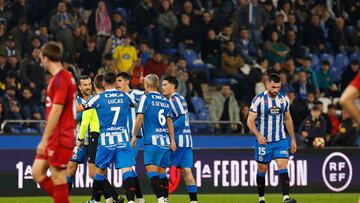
(154, 92)
(110, 90)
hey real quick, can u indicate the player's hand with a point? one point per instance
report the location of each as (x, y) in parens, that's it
(261, 140)
(173, 146)
(133, 142)
(40, 150)
(293, 146)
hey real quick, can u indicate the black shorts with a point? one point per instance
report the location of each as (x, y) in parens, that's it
(93, 142)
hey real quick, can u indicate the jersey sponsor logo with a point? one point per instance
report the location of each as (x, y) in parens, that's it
(274, 110)
(126, 56)
(284, 152)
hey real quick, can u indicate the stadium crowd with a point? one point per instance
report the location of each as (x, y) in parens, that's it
(314, 45)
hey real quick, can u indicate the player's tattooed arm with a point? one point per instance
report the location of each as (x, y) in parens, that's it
(290, 128)
(251, 124)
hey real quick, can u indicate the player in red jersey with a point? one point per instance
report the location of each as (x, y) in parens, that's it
(55, 148)
(347, 100)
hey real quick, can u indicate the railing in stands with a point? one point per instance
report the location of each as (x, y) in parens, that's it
(3, 124)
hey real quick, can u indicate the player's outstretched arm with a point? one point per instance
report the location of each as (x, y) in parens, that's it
(347, 100)
(53, 120)
(85, 122)
(251, 124)
(138, 123)
(290, 128)
(172, 134)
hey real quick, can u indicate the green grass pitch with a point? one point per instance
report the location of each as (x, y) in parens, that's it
(218, 198)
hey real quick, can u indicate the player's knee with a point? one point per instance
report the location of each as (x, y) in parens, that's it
(92, 171)
(37, 175)
(262, 168)
(186, 172)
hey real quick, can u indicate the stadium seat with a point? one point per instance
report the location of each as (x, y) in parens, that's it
(326, 101)
(314, 60)
(170, 52)
(336, 73)
(355, 55)
(190, 56)
(341, 61)
(15, 128)
(29, 131)
(221, 81)
(328, 57)
(198, 103)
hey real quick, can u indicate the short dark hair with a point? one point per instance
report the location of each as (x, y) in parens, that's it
(98, 81)
(110, 78)
(331, 106)
(315, 108)
(172, 80)
(53, 51)
(83, 77)
(108, 57)
(124, 75)
(273, 77)
(325, 62)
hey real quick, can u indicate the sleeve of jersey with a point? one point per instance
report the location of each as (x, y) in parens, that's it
(131, 100)
(93, 102)
(86, 117)
(94, 122)
(143, 105)
(356, 82)
(61, 89)
(255, 104)
(176, 106)
(287, 104)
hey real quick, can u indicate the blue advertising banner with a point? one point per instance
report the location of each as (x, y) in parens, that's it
(215, 171)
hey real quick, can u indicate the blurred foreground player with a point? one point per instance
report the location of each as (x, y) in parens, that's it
(55, 148)
(347, 100)
(269, 112)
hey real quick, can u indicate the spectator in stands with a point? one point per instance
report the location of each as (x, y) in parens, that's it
(298, 109)
(324, 114)
(349, 74)
(155, 65)
(3, 70)
(231, 61)
(244, 112)
(115, 40)
(99, 25)
(3, 32)
(275, 50)
(275, 68)
(22, 36)
(277, 26)
(107, 65)
(186, 35)
(78, 13)
(206, 24)
(61, 25)
(32, 74)
(137, 75)
(302, 86)
(337, 35)
(12, 104)
(191, 11)
(311, 101)
(90, 59)
(246, 46)
(313, 35)
(43, 34)
(145, 16)
(285, 85)
(12, 64)
(256, 72)
(21, 10)
(79, 42)
(355, 36)
(182, 65)
(167, 22)
(11, 80)
(289, 68)
(224, 107)
(10, 49)
(325, 79)
(125, 56)
(285, 10)
(261, 86)
(144, 52)
(291, 24)
(225, 36)
(334, 120)
(2, 111)
(296, 50)
(5, 10)
(311, 74)
(117, 20)
(30, 107)
(211, 49)
(348, 131)
(313, 126)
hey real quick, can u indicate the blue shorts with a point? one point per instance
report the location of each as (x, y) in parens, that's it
(272, 150)
(139, 144)
(80, 155)
(182, 157)
(156, 155)
(121, 156)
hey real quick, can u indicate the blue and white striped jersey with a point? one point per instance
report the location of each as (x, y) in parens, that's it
(156, 110)
(136, 96)
(112, 107)
(182, 130)
(80, 100)
(270, 115)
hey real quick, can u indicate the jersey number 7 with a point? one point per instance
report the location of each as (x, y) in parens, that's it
(116, 116)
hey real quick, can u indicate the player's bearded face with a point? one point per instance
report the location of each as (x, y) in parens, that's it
(273, 88)
(85, 87)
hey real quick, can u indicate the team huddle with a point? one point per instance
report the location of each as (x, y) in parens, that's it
(113, 122)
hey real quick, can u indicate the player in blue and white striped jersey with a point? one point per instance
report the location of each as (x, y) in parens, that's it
(112, 107)
(122, 84)
(269, 111)
(158, 128)
(183, 156)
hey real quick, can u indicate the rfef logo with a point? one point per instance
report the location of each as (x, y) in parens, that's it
(337, 171)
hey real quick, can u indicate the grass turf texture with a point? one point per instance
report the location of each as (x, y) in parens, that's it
(208, 198)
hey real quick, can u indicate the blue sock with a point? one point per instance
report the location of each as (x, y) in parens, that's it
(99, 177)
(163, 175)
(261, 174)
(70, 179)
(127, 175)
(191, 189)
(151, 175)
(281, 171)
